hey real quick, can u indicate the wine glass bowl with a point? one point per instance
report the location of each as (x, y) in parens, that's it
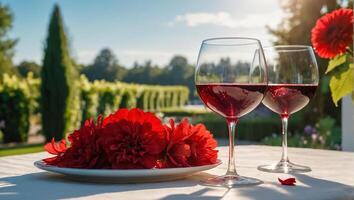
(292, 82)
(231, 80)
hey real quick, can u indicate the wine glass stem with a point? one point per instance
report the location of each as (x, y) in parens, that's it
(231, 169)
(284, 121)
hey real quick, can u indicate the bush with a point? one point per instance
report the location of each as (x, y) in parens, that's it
(325, 135)
(15, 108)
(254, 128)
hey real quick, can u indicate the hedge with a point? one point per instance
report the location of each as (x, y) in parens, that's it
(250, 128)
(101, 97)
(19, 99)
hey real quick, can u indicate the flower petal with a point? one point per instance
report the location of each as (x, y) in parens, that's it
(50, 147)
(288, 181)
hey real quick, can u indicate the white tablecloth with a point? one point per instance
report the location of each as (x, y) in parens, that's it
(332, 178)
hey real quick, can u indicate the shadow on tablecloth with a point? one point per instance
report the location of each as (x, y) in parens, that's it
(45, 185)
(310, 188)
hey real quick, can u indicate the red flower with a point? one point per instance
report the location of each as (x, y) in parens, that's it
(333, 33)
(57, 149)
(288, 181)
(189, 145)
(84, 152)
(133, 139)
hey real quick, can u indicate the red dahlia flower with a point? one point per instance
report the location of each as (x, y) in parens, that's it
(189, 145)
(333, 33)
(133, 139)
(84, 151)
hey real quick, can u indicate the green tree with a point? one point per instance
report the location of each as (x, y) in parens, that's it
(145, 74)
(58, 75)
(296, 29)
(105, 67)
(180, 70)
(181, 73)
(28, 66)
(6, 44)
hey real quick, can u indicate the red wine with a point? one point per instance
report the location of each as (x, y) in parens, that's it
(231, 100)
(286, 99)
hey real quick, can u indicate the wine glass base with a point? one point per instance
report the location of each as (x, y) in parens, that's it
(284, 167)
(231, 181)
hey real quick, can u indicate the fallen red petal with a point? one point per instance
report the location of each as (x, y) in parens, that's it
(288, 181)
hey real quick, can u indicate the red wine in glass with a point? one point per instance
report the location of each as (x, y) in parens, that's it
(231, 79)
(286, 99)
(231, 100)
(292, 81)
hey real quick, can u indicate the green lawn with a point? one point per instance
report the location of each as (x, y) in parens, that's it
(21, 150)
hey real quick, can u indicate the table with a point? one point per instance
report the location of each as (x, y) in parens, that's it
(332, 178)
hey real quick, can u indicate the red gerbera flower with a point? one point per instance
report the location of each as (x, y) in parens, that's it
(133, 139)
(189, 145)
(333, 33)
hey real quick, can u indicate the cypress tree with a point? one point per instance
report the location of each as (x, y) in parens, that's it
(58, 81)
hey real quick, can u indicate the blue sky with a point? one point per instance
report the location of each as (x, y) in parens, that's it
(140, 30)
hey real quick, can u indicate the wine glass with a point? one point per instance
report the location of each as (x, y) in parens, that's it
(292, 82)
(231, 80)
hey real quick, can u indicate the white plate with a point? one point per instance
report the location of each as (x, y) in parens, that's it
(124, 176)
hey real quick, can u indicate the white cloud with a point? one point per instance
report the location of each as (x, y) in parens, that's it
(225, 19)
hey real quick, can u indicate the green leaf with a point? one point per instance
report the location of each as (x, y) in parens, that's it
(335, 62)
(341, 83)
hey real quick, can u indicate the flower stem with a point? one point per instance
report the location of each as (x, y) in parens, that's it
(231, 169)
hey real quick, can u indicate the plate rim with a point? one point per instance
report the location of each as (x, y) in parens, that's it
(123, 172)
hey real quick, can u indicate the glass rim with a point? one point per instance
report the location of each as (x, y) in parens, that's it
(288, 48)
(218, 41)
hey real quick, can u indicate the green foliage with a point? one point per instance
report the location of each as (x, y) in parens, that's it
(103, 97)
(15, 109)
(336, 62)
(177, 72)
(89, 100)
(58, 94)
(145, 74)
(341, 82)
(19, 99)
(249, 128)
(340, 72)
(6, 44)
(325, 135)
(26, 67)
(105, 67)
